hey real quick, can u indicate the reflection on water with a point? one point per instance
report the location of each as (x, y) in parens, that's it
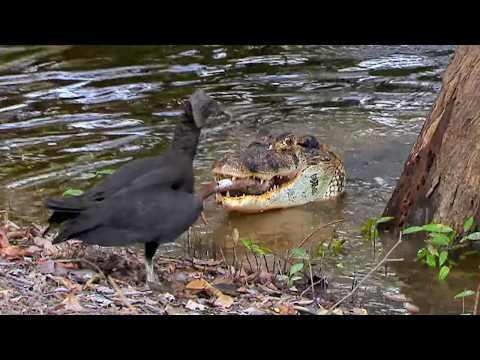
(277, 229)
(66, 111)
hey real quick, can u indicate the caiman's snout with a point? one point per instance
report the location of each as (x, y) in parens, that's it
(279, 171)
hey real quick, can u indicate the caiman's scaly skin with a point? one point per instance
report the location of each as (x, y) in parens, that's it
(279, 172)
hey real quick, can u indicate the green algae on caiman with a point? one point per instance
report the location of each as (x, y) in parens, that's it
(279, 171)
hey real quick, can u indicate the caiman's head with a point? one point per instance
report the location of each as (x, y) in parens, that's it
(279, 171)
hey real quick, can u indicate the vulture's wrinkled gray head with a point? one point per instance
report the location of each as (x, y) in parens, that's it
(200, 107)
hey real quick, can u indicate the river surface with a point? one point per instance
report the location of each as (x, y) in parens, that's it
(68, 111)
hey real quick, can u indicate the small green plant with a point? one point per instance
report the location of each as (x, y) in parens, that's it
(256, 250)
(98, 173)
(334, 248)
(370, 229)
(299, 255)
(73, 192)
(87, 176)
(439, 244)
(465, 293)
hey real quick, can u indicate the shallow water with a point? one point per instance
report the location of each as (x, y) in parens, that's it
(68, 111)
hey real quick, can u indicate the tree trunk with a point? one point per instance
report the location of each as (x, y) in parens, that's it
(441, 178)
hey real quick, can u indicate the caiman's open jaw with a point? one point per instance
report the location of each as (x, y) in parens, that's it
(253, 185)
(279, 172)
(249, 194)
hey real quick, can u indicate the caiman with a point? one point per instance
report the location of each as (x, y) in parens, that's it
(279, 171)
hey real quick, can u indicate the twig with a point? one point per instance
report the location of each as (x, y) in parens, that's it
(239, 272)
(308, 288)
(266, 264)
(311, 279)
(85, 262)
(395, 260)
(304, 309)
(367, 276)
(107, 278)
(248, 260)
(256, 262)
(301, 243)
(225, 261)
(475, 308)
(120, 294)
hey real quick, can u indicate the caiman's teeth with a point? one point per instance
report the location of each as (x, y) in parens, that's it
(234, 178)
(228, 193)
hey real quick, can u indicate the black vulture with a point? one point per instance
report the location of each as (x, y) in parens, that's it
(149, 201)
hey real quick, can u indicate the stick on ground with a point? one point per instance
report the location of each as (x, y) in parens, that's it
(368, 275)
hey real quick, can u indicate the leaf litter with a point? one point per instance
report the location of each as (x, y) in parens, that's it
(37, 277)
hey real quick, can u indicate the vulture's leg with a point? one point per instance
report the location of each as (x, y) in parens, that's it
(152, 279)
(150, 249)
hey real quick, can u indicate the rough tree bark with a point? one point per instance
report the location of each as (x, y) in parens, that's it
(441, 178)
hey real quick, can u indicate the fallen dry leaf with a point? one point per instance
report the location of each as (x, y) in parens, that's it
(265, 277)
(243, 290)
(69, 284)
(224, 301)
(68, 265)
(170, 310)
(70, 303)
(194, 306)
(14, 251)
(337, 312)
(202, 284)
(44, 243)
(286, 310)
(359, 311)
(198, 284)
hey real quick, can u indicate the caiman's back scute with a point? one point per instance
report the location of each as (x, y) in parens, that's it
(279, 171)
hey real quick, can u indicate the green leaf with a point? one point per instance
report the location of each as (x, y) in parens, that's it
(464, 293)
(422, 253)
(105, 172)
(73, 192)
(443, 257)
(88, 176)
(366, 228)
(468, 224)
(437, 228)
(431, 260)
(440, 240)
(299, 253)
(412, 229)
(474, 236)
(443, 273)
(384, 219)
(247, 243)
(296, 268)
(260, 250)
